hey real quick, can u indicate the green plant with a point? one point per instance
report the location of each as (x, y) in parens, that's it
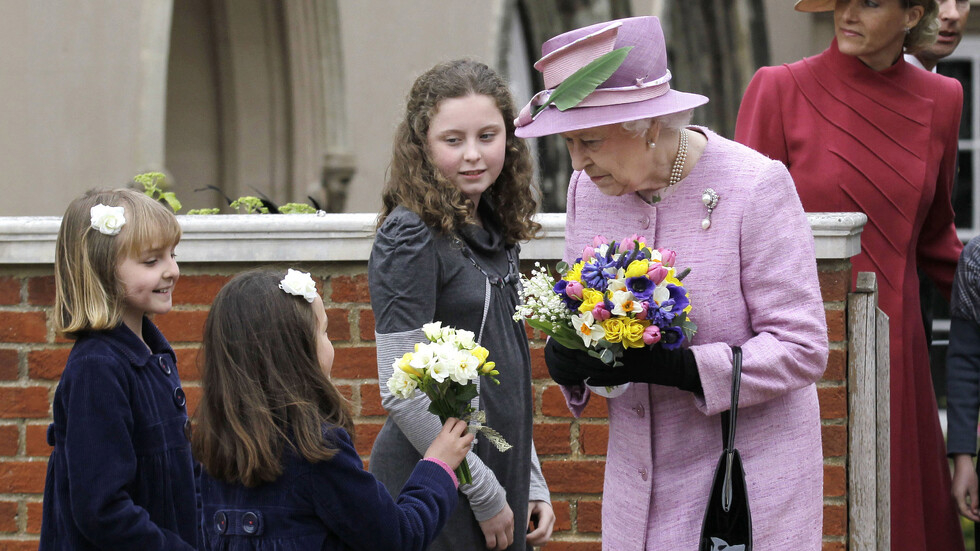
(153, 183)
(297, 208)
(250, 205)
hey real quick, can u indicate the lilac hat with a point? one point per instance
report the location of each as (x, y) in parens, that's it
(638, 89)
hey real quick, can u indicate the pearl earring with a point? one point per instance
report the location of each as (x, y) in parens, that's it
(651, 144)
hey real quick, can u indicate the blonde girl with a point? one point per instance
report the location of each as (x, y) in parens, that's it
(121, 474)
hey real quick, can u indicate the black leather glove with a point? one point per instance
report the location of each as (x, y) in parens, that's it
(569, 366)
(653, 365)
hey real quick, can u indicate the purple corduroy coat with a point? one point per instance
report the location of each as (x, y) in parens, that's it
(753, 283)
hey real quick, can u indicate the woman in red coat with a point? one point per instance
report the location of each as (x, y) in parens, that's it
(861, 130)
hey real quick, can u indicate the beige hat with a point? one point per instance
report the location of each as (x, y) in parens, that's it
(814, 5)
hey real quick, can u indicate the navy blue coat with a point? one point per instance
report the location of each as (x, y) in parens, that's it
(121, 475)
(329, 505)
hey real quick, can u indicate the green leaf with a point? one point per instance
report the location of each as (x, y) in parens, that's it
(466, 393)
(171, 199)
(683, 274)
(583, 82)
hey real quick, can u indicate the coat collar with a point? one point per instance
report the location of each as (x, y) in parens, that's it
(126, 342)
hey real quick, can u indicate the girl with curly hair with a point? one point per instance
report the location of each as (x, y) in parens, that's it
(457, 203)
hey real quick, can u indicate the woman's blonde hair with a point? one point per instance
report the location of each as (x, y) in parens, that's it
(924, 33)
(416, 184)
(88, 296)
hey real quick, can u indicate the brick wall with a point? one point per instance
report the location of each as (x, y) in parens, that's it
(571, 450)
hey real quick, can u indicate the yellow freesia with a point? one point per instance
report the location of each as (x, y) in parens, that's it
(488, 369)
(637, 268)
(480, 353)
(614, 328)
(404, 363)
(633, 332)
(590, 297)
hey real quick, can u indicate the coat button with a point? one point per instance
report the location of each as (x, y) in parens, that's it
(164, 367)
(643, 474)
(639, 411)
(645, 222)
(220, 522)
(187, 430)
(179, 397)
(250, 522)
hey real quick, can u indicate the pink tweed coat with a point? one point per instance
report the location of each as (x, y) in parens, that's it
(753, 283)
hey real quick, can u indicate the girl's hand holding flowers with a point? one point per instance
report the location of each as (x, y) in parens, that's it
(452, 444)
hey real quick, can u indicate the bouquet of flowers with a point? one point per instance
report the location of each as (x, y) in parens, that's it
(615, 296)
(446, 370)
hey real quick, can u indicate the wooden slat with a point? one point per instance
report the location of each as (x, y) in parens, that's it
(862, 494)
(883, 401)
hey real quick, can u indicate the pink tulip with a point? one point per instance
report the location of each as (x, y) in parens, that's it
(667, 257)
(599, 313)
(574, 290)
(599, 240)
(657, 273)
(588, 254)
(642, 314)
(651, 335)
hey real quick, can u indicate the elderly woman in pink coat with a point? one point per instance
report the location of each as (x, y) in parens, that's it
(733, 217)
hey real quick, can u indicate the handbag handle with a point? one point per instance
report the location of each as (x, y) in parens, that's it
(728, 419)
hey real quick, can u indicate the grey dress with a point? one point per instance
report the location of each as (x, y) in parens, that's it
(416, 276)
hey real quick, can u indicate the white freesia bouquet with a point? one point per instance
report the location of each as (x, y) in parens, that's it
(446, 370)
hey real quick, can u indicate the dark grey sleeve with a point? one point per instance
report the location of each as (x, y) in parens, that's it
(963, 355)
(963, 386)
(403, 274)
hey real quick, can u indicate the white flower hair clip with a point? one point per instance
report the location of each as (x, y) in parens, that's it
(300, 284)
(108, 220)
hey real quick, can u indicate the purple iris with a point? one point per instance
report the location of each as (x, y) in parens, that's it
(672, 337)
(678, 296)
(570, 302)
(641, 287)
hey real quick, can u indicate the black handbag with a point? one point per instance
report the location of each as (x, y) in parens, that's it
(727, 522)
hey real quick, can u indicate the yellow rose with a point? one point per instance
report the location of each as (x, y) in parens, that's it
(614, 329)
(637, 268)
(633, 332)
(480, 353)
(590, 297)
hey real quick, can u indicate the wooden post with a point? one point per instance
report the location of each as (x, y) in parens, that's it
(868, 457)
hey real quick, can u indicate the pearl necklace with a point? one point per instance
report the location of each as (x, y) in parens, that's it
(679, 160)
